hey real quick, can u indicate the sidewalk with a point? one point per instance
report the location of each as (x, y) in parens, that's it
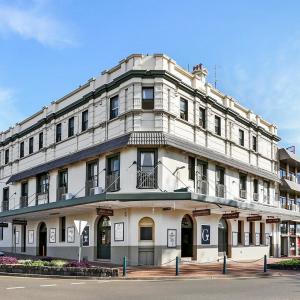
(209, 270)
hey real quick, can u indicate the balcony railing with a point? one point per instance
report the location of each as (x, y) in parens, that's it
(90, 185)
(5, 205)
(61, 191)
(146, 179)
(112, 182)
(255, 196)
(243, 194)
(202, 187)
(220, 190)
(42, 198)
(23, 201)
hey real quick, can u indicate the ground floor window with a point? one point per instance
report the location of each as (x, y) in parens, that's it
(1, 233)
(251, 233)
(240, 232)
(146, 226)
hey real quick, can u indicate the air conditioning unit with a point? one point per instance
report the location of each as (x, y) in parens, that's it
(97, 190)
(67, 196)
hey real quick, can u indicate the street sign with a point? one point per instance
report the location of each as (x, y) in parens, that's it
(254, 218)
(104, 212)
(80, 224)
(273, 220)
(3, 225)
(233, 215)
(201, 212)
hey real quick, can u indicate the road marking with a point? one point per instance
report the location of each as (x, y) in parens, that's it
(47, 285)
(77, 283)
(16, 287)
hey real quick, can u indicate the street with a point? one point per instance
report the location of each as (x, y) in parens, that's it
(12, 288)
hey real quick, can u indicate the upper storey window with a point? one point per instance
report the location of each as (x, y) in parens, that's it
(71, 127)
(254, 143)
(114, 107)
(148, 98)
(241, 137)
(31, 145)
(85, 120)
(202, 117)
(6, 156)
(21, 149)
(58, 132)
(217, 125)
(183, 109)
(41, 140)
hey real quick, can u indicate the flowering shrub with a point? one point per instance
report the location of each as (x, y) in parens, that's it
(77, 264)
(8, 260)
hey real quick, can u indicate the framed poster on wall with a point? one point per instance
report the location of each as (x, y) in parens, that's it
(234, 239)
(119, 232)
(30, 236)
(257, 239)
(246, 243)
(71, 235)
(52, 235)
(17, 237)
(86, 236)
(172, 238)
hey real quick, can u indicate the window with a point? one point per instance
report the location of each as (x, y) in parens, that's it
(85, 120)
(241, 137)
(183, 109)
(220, 182)
(255, 190)
(71, 127)
(114, 107)
(21, 149)
(191, 168)
(24, 194)
(251, 232)
(261, 233)
(62, 225)
(266, 191)
(91, 177)
(147, 174)
(217, 125)
(1, 233)
(146, 229)
(41, 140)
(148, 98)
(5, 203)
(58, 132)
(6, 158)
(254, 143)
(240, 232)
(202, 117)
(62, 184)
(31, 145)
(113, 173)
(42, 184)
(243, 186)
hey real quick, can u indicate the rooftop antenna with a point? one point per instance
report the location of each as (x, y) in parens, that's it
(215, 75)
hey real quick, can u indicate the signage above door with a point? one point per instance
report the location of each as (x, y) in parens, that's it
(201, 212)
(254, 218)
(104, 212)
(273, 220)
(232, 215)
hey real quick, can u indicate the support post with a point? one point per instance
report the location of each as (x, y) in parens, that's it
(265, 263)
(80, 246)
(124, 266)
(177, 266)
(224, 265)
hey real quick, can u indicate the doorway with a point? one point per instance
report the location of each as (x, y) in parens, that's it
(104, 238)
(223, 237)
(187, 236)
(42, 240)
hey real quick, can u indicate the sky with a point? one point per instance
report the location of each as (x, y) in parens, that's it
(50, 47)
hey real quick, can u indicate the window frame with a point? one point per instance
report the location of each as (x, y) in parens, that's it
(84, 120)
(254, 143)
(148, 103)
(241, 137)
(202, 117)
(191, 167)
(218, 129)
(22, 149)
(58, 133)
(41, 140)
(114, 111)
(184, 113)
(71, 126)
(6, 156)
(30, 145)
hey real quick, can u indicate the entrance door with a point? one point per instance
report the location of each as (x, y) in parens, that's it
(271, 247)
(104, 238)
(186, 236)
(223, 237)
(43, 240)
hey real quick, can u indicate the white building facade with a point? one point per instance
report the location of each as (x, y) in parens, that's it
(158, 162)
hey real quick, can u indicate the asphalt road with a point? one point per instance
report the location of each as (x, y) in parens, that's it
(12, 288)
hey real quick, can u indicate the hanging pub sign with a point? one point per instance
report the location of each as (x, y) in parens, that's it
(104, 212)
(19, 222)
(3, 225)
(233, 215)
(273, 220)
(254, 218)
(201, 212)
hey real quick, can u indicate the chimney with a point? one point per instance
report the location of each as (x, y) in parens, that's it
(200, 71)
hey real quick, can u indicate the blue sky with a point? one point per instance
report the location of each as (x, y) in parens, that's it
(49, 47)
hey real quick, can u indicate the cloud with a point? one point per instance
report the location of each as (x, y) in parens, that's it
(9, 112)
(33, 23)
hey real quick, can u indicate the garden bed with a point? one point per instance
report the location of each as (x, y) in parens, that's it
(289, 264)
(54, 268)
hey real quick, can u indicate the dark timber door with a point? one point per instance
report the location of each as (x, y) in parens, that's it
(104, 238)
(186, 236)
(43, 240)
(222, 237)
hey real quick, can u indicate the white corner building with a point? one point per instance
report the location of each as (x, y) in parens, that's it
(157, 161)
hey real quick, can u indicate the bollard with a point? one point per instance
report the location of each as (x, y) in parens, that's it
(124, 266)
(224, 265)
(177, 266)
(265, 263)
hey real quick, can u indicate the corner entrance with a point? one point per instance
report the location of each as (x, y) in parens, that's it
(104, 238)
(187, 236)
(223, 237)
(42, 251)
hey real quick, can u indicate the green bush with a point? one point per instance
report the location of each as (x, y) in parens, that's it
(290, 262)
(57, 263)
(42, 263)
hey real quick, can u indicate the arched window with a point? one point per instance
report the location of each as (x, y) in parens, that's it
(146, 226)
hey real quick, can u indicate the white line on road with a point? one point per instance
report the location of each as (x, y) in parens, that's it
(47, 285)
(77, 283)
(16, 287)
